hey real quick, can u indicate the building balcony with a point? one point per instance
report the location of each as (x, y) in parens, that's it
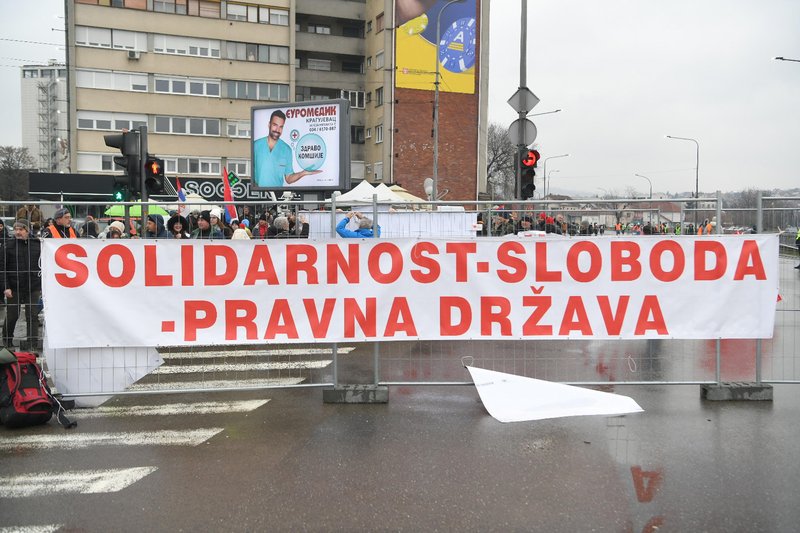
(325, 78)
(330, 44)
(350, 9)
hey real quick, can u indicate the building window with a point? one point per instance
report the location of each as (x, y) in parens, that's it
(379, 23)
(368, 97)
(184, 125)
(99, 120)
(262, 53)
(191, 46)
(357, 134)
(129, 40)
(356, 98)
(318, 64)
(96, 37)
(368, 133)
(353, 31)
(379, 134)
(379, 60)
(379, 97)
(250, 90)
(367, 171)
(170, 6)
(190, 86)
(237, 12)
(356, 67)
(321, 29)
(369, 62)
(240, 167)
(238, 128)
(378, 167)
(105, 79)
(192, 165)
(369, 26)
(279, 17)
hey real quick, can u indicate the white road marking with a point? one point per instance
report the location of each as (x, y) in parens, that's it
(82, 482)
(73, 440)
(252, 353)
(49, 528)
(199, 408)
(239, 367)
(217, 384)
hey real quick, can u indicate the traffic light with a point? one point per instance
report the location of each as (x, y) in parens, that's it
(154, 175)
(528, 163)
(120, 189)
(233, 179)
(127, 143)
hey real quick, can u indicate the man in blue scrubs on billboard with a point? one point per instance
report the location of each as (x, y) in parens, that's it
(273, 157)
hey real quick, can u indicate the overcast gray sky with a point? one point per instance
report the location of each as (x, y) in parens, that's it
(625, 72)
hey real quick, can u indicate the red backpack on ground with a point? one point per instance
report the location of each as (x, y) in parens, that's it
(25, 398)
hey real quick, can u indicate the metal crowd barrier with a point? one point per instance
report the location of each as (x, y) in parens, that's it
(414, 363)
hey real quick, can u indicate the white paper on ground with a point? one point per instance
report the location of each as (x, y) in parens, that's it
(511, 398)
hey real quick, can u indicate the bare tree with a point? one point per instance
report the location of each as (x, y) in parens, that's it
(15, 163)
(500, 162)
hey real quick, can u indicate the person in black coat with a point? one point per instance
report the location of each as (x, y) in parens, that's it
(22, 283)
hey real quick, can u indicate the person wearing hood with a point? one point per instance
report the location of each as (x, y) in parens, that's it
(178, 227)
(61, 227)
(364, 227)
(205, 230)
(155, 228)
(115, 230)
(22, 284)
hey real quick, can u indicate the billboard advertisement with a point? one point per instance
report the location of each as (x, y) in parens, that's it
(416, 51)
(301, 146)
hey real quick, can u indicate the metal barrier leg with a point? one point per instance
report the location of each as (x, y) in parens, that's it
(736, 390)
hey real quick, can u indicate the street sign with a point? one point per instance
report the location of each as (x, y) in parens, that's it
(528, 134)
(523, 100)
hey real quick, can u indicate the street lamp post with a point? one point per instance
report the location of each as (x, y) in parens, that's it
(786, 59)
(649, 213)
(435, 192)
(544, 170)
(696, 171)
(548, 177)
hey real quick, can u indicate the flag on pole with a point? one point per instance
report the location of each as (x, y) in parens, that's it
(230, 209)
(183, 209)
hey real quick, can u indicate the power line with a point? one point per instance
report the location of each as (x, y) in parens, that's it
(29, 42)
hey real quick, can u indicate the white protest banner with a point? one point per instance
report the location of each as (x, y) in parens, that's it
(165, 292)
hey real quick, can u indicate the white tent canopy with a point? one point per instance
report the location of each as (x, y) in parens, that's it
(364, 192)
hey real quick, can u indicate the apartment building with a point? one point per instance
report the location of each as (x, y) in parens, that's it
(44, 115)
(190, 70)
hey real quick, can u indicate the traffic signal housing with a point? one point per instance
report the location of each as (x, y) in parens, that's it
(528, 163)
(129, 160)
(154, 175)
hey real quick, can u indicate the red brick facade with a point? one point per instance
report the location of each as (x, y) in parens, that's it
(458, 138)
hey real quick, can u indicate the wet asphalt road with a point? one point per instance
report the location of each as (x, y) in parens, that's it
(432, 460)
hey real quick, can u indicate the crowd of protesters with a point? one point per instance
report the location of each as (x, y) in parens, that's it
(502, 222)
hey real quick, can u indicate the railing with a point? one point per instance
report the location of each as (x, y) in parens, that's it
(109, 371)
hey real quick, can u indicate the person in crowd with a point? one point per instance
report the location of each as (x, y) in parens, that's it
(115, 230)
(304, 228)
(33, 215)
(240, 234)
(365, 227)
(246, 227)
(192, 218)
(61, 227)
(216, 221)
(525, 224)
(248, 216)
(261, 231)
(205, 230)
(22, 284)
(177, 226)
(501, 224)
(90, 230)
(155, 228)
(282, 229)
